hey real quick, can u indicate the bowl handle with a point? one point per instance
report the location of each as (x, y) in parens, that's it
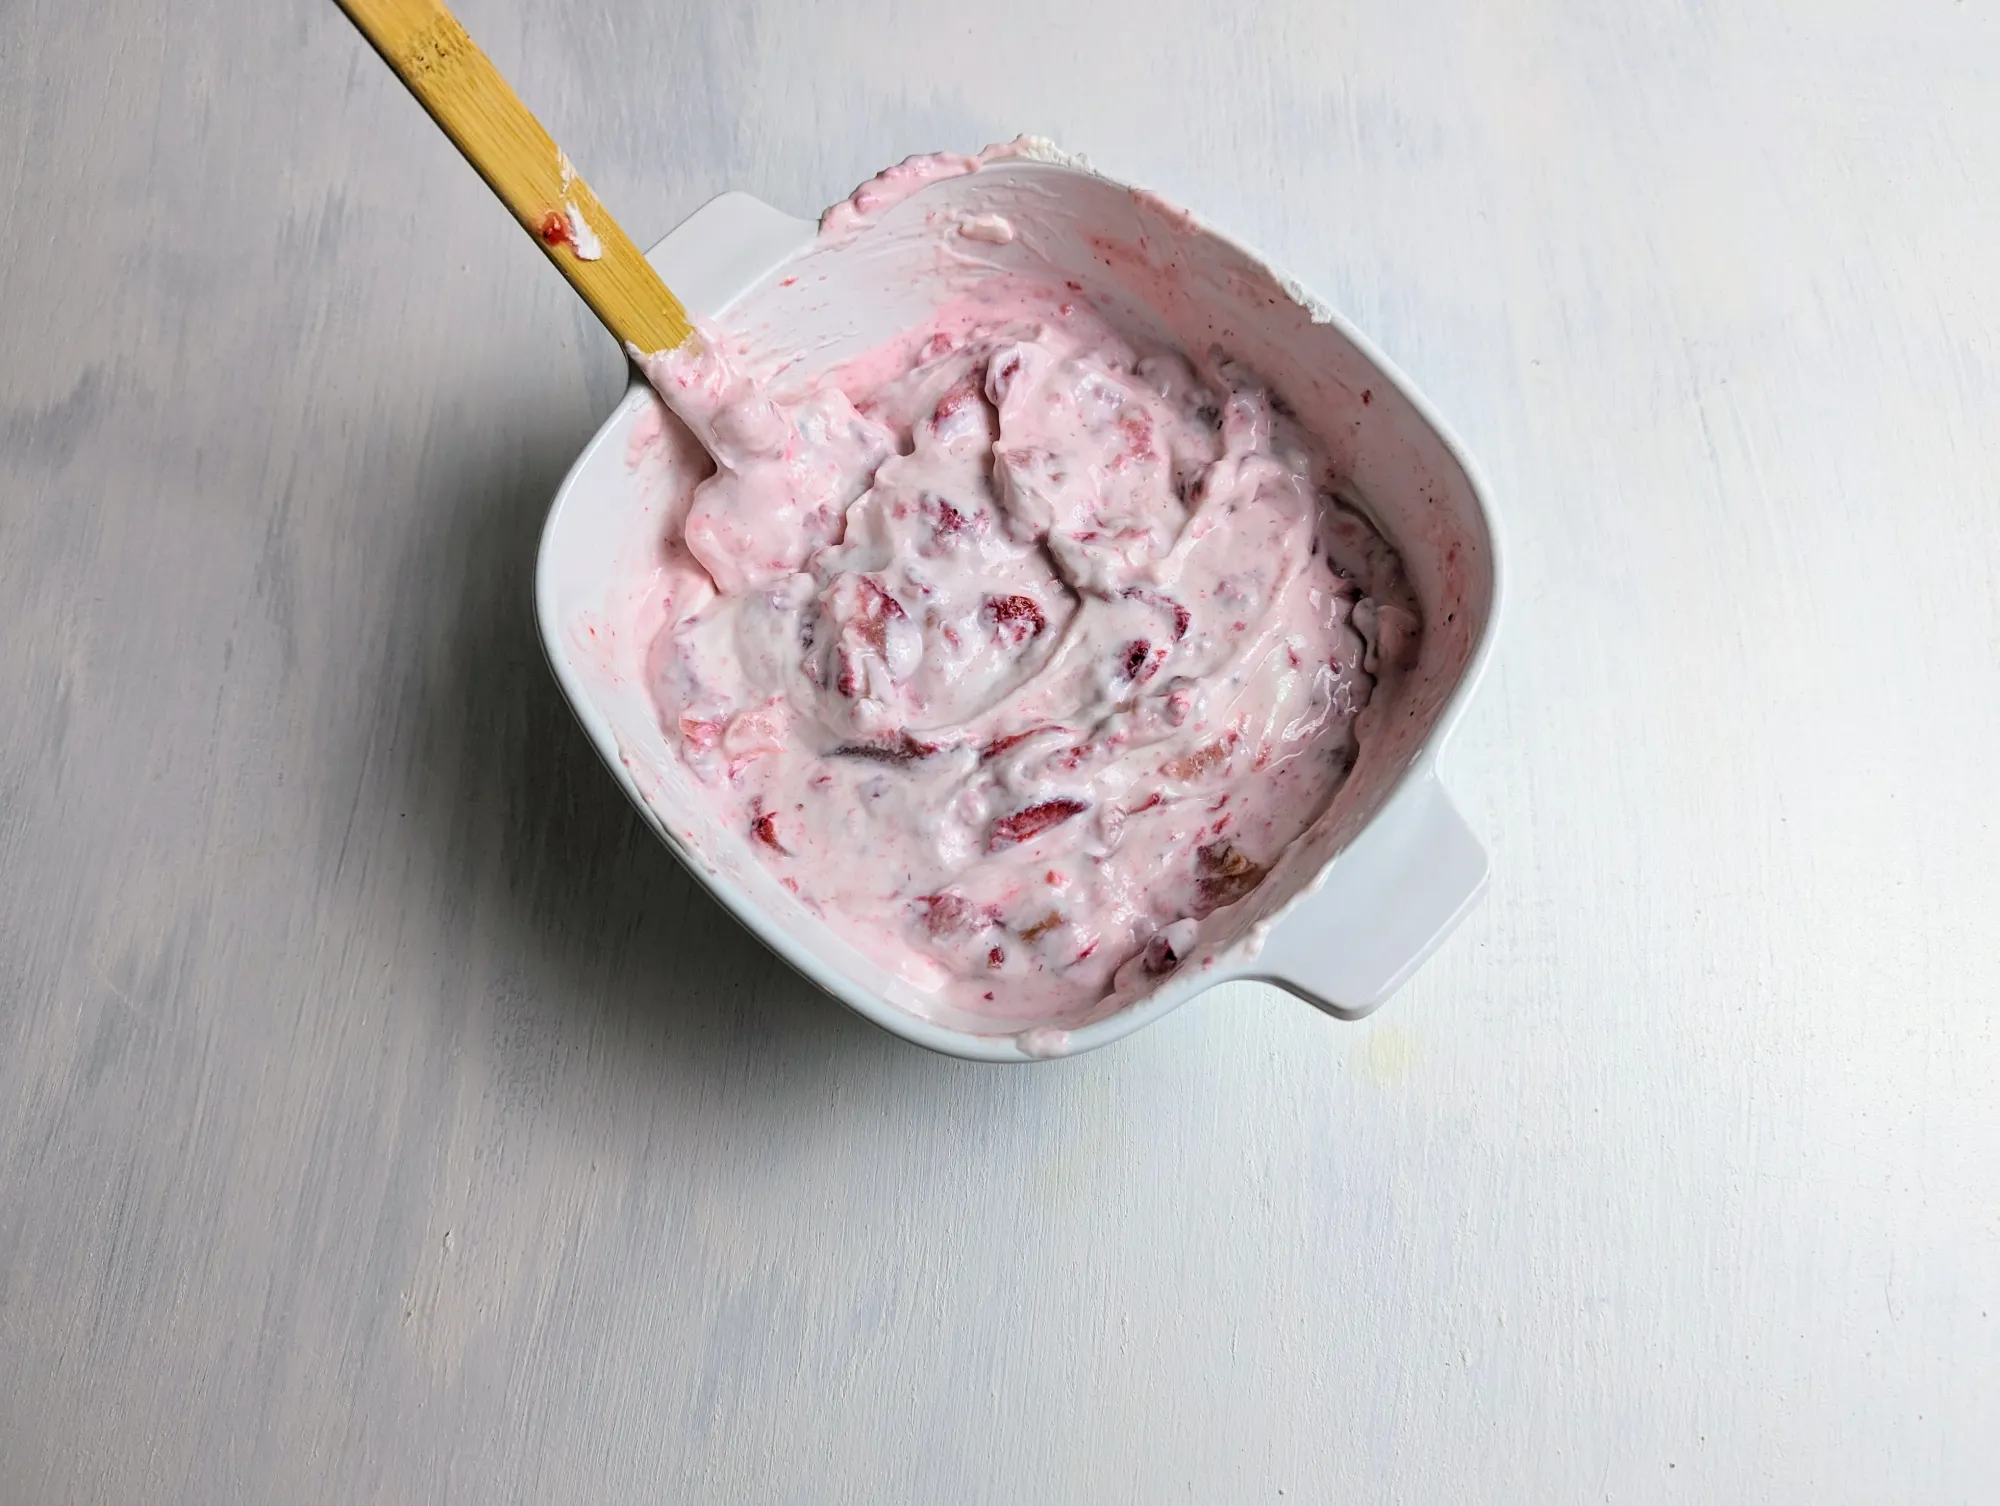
(1388, 902)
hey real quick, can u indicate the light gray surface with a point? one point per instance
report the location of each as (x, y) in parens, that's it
(383, 1118)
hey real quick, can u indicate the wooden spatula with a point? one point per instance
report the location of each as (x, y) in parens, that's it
(500, 137)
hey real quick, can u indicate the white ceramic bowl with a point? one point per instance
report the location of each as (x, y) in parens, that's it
(1358, 902)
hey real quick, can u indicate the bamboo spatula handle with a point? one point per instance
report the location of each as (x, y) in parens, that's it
(500, 137)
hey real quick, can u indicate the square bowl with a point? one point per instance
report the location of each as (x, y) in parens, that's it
(1368, 892)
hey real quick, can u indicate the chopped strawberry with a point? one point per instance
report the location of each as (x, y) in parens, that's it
(765, 830)
(1140, 661)
(1160, 956)
(861, 610)
(958, 397)
(951, 914)
(1226, 874)
(1001, 378)
(1032, 822)
(1137, 428)
(1042, 927)
(997, 957)
(1017, 618)
(877, 605)
(948, 523)
(902, 748)
(700, 735)
(1193, 765)
(1000, 745)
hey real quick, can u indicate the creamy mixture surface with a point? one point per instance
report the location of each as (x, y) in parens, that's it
(1014, 650)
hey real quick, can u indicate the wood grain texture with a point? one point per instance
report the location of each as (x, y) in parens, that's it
(383, 1117)
(485, 119)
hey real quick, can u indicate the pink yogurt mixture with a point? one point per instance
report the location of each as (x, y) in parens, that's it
(1013, 650)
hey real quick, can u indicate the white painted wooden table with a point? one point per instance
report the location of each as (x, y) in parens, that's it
(384, 1118)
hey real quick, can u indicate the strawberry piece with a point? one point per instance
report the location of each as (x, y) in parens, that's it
(958, 397)
(700, 735)
(1140, 661)
(1032, 822)
(951, 914)
(1042, 927)
(1191, 766)
(948, 518)
(1002, 376)
(1000, 745)
(903, 748)
(1226, 874)
(1017, 618)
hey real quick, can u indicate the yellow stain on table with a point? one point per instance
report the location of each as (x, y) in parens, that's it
(1389, 1055)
